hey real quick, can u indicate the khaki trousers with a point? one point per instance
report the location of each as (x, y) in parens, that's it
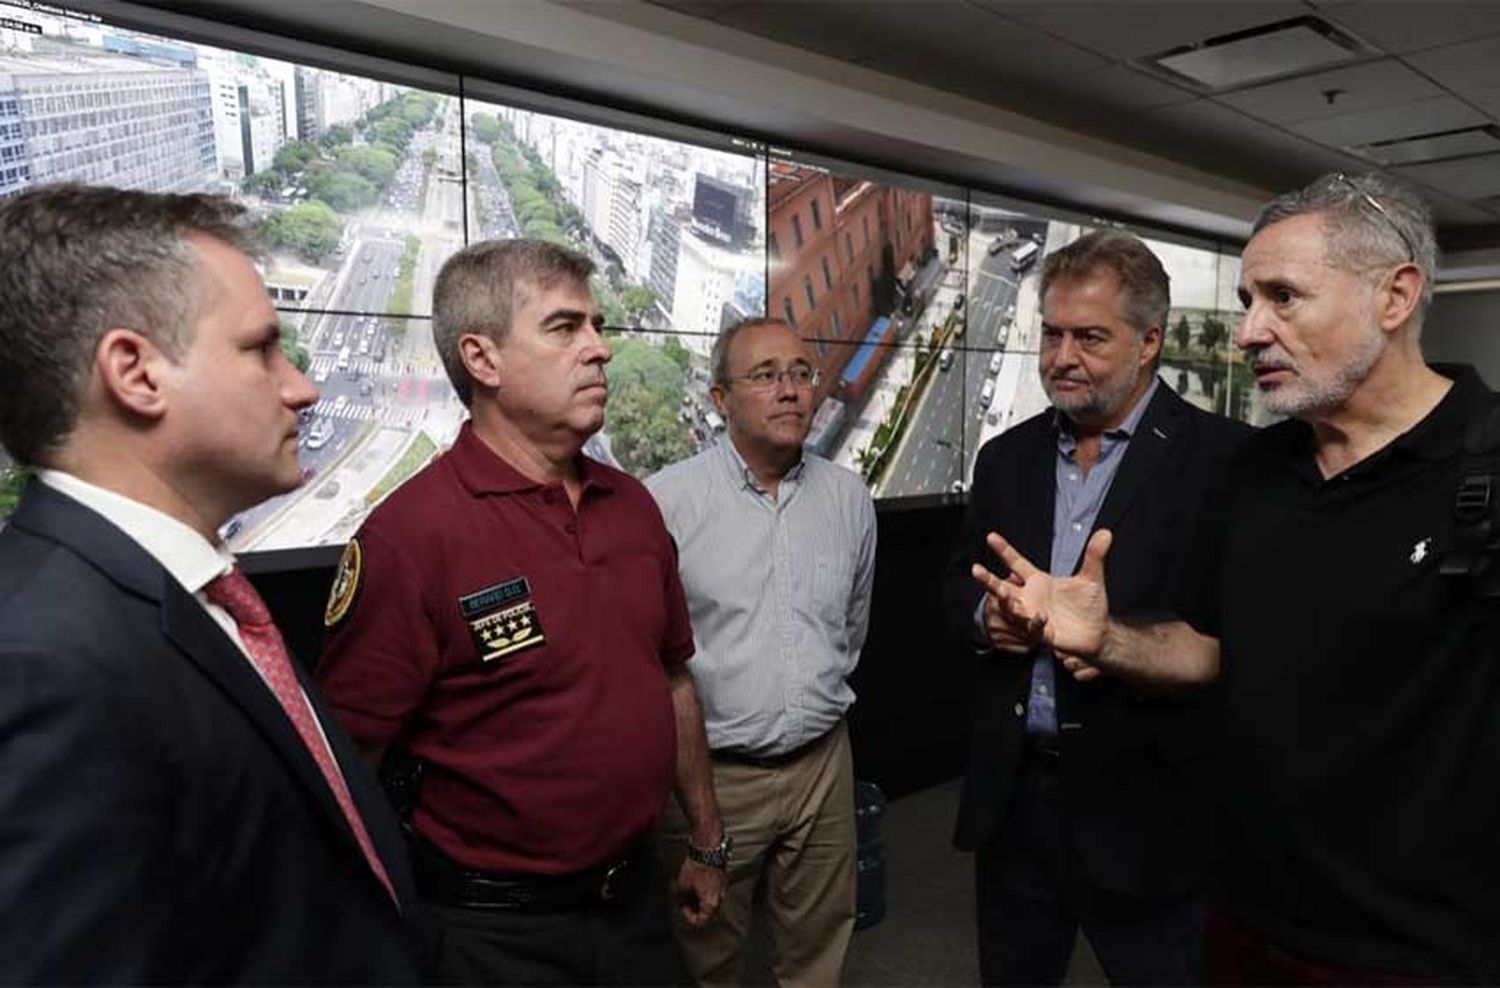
(794, 825)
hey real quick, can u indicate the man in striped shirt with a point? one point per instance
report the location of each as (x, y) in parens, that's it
(777, 555)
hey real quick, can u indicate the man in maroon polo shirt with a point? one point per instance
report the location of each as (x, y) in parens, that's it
(512, 618)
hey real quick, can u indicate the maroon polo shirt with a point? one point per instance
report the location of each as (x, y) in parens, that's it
(558, 750)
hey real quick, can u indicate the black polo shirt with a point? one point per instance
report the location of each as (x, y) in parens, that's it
(1358, 711)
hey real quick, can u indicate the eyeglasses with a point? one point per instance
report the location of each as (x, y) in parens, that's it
(1373, 203)
(766, 378)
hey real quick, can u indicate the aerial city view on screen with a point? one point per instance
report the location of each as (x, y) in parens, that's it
(920, 306)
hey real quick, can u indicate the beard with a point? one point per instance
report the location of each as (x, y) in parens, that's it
(1311, 392)
(1098, 401)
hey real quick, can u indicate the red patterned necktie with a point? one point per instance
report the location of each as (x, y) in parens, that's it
(234, 592)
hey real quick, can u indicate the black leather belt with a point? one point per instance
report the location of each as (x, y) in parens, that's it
(443, 881)
(735, 756)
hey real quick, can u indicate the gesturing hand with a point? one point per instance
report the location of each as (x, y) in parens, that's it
(1005, 633)
(1067, 613)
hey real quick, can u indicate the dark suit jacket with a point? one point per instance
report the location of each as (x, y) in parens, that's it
(1124, 789)
(160, 818)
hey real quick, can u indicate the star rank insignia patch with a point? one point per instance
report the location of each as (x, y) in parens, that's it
(505, 632)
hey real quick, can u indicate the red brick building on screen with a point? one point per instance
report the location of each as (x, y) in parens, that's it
(841, 248)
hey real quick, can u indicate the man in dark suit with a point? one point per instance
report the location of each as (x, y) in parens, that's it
(176, 802)
(1076, 797)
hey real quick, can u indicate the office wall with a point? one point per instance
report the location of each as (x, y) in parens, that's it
(1464, 327)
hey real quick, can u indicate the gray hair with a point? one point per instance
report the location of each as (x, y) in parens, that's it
(1369, 221)
(720, 356)
(1148, 293)
(77, 261)
(478, 287)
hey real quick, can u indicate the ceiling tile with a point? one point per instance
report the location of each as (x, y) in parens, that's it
(1219, 139)
(1393, 122)
(1357, 87)
(1487, 100)
(1400, 28)
(1136, 29)
(1465, 68)
(1123, 86)
(1080, 96)
(1468, 178)
(953, 35)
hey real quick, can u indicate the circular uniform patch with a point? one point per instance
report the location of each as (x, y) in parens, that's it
(345, 584)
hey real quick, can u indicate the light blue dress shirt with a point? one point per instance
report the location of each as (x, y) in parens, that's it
(1078, 500)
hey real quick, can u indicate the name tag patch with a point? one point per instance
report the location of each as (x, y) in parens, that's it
(481, 601)
(501, 619)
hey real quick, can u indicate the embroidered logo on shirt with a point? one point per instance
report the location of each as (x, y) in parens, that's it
(1419, 551)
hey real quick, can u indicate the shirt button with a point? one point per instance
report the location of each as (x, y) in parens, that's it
(571, 527)
(1077, 527)
(1042, 690)
(1072, 476)
(1020, 710)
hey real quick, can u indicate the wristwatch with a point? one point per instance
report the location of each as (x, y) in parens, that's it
(712, 857)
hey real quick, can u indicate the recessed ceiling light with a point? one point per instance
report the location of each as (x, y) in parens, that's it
(1290, 47)
(1432, 147)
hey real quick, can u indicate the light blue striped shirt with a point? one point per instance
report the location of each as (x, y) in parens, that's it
(778, 590)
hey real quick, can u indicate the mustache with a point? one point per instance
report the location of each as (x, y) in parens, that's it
(1270, 360)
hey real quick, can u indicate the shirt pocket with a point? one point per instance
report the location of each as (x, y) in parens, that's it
(828, 594)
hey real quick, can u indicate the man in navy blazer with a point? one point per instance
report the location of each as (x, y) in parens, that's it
(176, 802)
(1077, 797)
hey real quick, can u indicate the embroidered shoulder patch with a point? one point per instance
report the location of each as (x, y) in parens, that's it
(345, 585)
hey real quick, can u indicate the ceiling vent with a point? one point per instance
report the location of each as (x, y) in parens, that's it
(1272, 51)
(1440, 146)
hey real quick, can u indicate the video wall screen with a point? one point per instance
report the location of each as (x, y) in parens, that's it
(871, 272)
(918, 301)
(677, 232)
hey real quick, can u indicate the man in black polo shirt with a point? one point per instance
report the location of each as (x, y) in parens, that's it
(1358, 727)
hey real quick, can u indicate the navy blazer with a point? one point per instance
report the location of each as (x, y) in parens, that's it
(160, 818)
(1125, 780)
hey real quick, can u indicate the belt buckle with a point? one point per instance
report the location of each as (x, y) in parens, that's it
(609, 888)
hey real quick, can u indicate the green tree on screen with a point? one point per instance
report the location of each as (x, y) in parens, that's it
(485, 128)
(1213, 334)
(637, 301)
(645, 399)
(294, 157)
(674, 349)
(266, 183)
(1182, 332)
(311, 229)
(295, 352)
(374, 165)
(13, 479)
